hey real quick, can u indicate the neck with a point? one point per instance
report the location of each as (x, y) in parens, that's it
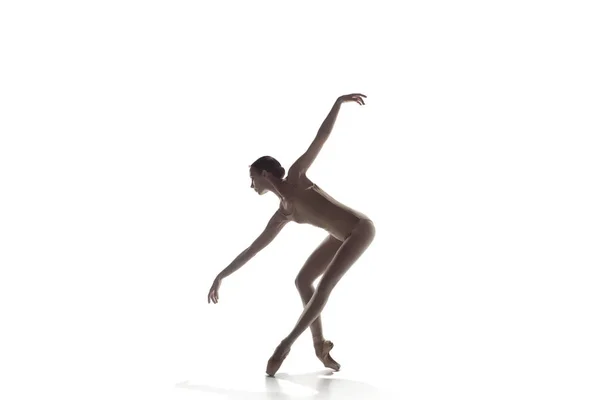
(279, 187)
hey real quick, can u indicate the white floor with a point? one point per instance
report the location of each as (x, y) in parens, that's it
(315, 383)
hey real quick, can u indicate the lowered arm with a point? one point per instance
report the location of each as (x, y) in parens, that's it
(274, 226)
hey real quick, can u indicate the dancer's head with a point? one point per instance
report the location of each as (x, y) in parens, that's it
(263, 172)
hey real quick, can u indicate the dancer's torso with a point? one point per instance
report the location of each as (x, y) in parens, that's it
(309, 204)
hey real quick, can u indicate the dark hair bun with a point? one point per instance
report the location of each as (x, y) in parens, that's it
(271, 165)
(279, 172)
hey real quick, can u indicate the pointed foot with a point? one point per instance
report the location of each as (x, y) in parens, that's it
(322, 350)
(281, 352)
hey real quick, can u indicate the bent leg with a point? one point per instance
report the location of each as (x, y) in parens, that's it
(314, 266)
(352, 248)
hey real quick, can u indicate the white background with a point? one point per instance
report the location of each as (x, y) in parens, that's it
(126, 132)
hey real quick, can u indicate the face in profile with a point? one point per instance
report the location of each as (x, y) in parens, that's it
(258, 181)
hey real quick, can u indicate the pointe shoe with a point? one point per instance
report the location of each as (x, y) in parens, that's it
(277, 359)
(322, 350)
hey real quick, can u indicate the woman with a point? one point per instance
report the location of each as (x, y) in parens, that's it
(302, 201)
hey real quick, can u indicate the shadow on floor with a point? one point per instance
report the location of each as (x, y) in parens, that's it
(326, 385)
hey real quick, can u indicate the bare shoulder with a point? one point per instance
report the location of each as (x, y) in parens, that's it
(279, 218)
(298, 178)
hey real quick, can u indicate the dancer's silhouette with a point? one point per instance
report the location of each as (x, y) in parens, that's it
(302, 201)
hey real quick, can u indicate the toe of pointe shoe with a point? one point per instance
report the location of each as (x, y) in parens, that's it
(271, 371)
(273, 366)
(275, 363)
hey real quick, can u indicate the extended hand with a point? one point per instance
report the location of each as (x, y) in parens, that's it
(213, 294)
(357, 97)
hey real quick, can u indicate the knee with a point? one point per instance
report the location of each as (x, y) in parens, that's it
(369, 229)
(302, 283)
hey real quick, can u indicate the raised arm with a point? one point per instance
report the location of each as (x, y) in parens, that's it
(274, 226)
(301, 165)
